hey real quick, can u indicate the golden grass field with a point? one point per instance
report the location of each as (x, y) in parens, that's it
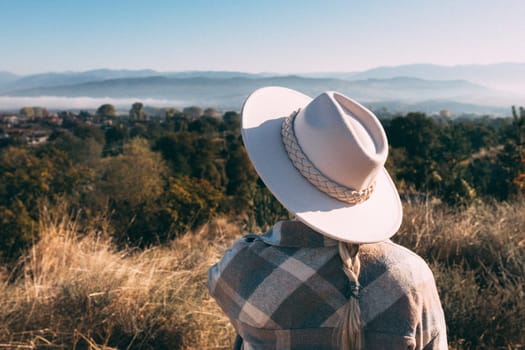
(75, 290)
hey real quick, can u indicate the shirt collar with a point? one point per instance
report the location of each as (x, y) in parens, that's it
(295, 234)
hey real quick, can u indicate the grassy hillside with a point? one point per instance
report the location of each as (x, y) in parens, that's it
(82, 293)
(75, 290)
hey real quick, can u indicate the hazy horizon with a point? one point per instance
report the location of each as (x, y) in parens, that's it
(295, 37)
(305, 73)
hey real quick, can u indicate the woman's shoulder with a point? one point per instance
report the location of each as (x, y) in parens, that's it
(399, 294)
(394, 262)
(390, 253)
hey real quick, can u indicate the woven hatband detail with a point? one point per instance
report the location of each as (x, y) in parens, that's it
(312, 174)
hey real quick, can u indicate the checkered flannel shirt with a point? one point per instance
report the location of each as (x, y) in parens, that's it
(286, 289)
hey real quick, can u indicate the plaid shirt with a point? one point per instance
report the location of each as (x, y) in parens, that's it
(286, 290)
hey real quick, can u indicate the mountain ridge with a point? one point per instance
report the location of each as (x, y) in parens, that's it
(498, 75)
(427, 71)
(165, 87)
(406, 84)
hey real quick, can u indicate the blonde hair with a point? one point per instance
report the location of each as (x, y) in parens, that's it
(350, 328)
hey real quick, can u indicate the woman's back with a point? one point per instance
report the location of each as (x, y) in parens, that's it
(286, 290)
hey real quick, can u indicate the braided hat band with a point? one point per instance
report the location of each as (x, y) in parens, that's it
(312, 174)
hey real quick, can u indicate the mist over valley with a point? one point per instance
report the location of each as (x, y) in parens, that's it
(482, 89)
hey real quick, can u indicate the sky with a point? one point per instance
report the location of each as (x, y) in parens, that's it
(279, 36)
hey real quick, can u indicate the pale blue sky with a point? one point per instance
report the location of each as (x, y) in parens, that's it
(256, 35)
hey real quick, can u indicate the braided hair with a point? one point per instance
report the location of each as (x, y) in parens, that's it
(350, 328)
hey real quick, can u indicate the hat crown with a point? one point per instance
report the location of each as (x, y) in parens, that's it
(342, 139)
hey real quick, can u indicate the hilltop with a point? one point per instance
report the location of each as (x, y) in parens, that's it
(75, 289)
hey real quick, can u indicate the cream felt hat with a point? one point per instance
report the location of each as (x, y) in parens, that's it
(323, 159)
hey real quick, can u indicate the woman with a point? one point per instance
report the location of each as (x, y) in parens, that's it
(331, 279)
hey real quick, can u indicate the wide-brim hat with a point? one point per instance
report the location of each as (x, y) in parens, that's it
(323, 159)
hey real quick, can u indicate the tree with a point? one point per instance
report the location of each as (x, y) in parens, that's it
(454, 145)
(266, 209)
(115, 139)
(136, 176)
(29, 177)
(27, 112)
(480, 134)
(106, 111)
(211, 112)
(23, 180)
(17, 230)
(84, 116)
(132, 184)
(137, 111)
(418, 135)
(192, 112)
(180, 123)
(203, 162)
(84, 132)
(204, 125)
(241, 175)
(170, 112)
(85, 149)
(511, 160)
(40, 112)
(232, 122)
(190, 202)
(177, 149)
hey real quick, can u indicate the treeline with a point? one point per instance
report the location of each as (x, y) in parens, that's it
(458, 161)
(157, 179)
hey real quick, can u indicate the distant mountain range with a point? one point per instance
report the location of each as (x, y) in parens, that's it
(422, 87)
(506, 76)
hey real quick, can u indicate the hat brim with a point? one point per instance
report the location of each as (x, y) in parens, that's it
(374, 220)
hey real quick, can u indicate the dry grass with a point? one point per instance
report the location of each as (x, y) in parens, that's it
(478, 258)
(77, 291)
(81, 293)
